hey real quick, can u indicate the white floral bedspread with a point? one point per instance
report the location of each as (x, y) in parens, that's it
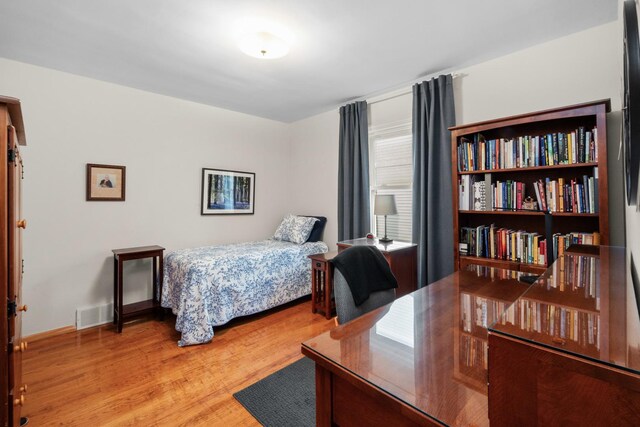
(207, 287)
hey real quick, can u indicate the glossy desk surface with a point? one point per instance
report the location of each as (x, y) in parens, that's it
(428, 348)
(584, 305)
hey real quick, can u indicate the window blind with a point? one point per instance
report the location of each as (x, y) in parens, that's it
(391, 163)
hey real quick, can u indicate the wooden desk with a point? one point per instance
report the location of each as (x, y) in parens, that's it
(322, 284)
(401, 256)
(567, 352)
(397, 365)
(121, 311)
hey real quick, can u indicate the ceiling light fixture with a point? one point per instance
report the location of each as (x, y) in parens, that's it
(264, 45)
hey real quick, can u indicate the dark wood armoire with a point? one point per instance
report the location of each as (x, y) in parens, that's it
(12, 389)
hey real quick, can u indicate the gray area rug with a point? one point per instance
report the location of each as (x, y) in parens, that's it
(285, 398)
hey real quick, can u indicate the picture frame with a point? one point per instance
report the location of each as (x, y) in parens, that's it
(227, 192)
(106, 183)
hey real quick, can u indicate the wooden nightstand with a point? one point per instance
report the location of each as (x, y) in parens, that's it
(121, 311)
(401, 256)
(322, 284)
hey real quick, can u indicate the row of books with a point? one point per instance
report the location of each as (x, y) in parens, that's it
(502, 243)
(578, 146)
(577, 196)
(561, 242)
(558, 322)
(478, 193)
(517, 245)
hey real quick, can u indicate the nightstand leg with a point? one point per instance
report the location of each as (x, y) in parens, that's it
(328, 287)
(160, 280)
(115, 290)
(154, 274)
(120, 304)
(314, 290)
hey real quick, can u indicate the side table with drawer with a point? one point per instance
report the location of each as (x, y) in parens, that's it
(322, 284)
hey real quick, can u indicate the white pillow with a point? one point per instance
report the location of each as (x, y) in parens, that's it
(295, 229)
(284, 229)
(301, 229)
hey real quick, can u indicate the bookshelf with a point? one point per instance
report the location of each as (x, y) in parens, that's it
(557, 158)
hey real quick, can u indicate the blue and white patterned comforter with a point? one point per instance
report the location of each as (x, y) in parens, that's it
(207, 287)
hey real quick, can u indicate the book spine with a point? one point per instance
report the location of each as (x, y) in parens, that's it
(519, 191)
(581, 135)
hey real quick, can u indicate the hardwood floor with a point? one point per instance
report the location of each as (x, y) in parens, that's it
(97, 377)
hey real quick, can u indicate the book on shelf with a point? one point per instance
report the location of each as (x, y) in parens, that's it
(478, 153)
(473, 194)
(517, 245)
(561, 242)
(578, 195)
(504, 244)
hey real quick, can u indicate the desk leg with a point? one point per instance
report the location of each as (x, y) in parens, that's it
(115, 290)
(324, 409)
(120, 304)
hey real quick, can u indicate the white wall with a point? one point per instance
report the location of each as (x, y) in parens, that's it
(314, 170)
(580, 67)
(164, 143)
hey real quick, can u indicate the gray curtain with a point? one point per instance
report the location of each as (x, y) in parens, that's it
(353, 172)
(433, 114)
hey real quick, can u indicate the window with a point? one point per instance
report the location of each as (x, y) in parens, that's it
(391, 164)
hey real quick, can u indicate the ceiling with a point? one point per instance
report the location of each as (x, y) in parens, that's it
(343, 50)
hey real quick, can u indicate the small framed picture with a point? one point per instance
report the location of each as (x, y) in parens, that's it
(227, 192)
(105, 182)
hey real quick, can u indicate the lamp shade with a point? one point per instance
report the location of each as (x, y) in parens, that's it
(385, 204)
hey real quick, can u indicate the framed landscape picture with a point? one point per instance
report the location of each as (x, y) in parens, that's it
(227, 192)
(105, 182)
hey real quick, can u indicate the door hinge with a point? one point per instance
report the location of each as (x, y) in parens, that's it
(10, 347)
(11, 154)
(11, 308)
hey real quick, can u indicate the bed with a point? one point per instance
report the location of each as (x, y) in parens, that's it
(208, 286)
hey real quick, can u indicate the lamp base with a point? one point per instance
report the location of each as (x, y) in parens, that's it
(385, 239)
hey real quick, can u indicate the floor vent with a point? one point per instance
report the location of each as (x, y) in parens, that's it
(94, 316)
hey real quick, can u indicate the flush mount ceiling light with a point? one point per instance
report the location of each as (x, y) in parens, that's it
(262, 37)
(264, 45)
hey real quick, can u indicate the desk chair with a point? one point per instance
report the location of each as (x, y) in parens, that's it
(346, 308)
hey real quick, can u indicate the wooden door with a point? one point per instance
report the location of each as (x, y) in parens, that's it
(16, 387)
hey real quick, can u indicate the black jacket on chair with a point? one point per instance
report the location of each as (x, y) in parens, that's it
(366, 271)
